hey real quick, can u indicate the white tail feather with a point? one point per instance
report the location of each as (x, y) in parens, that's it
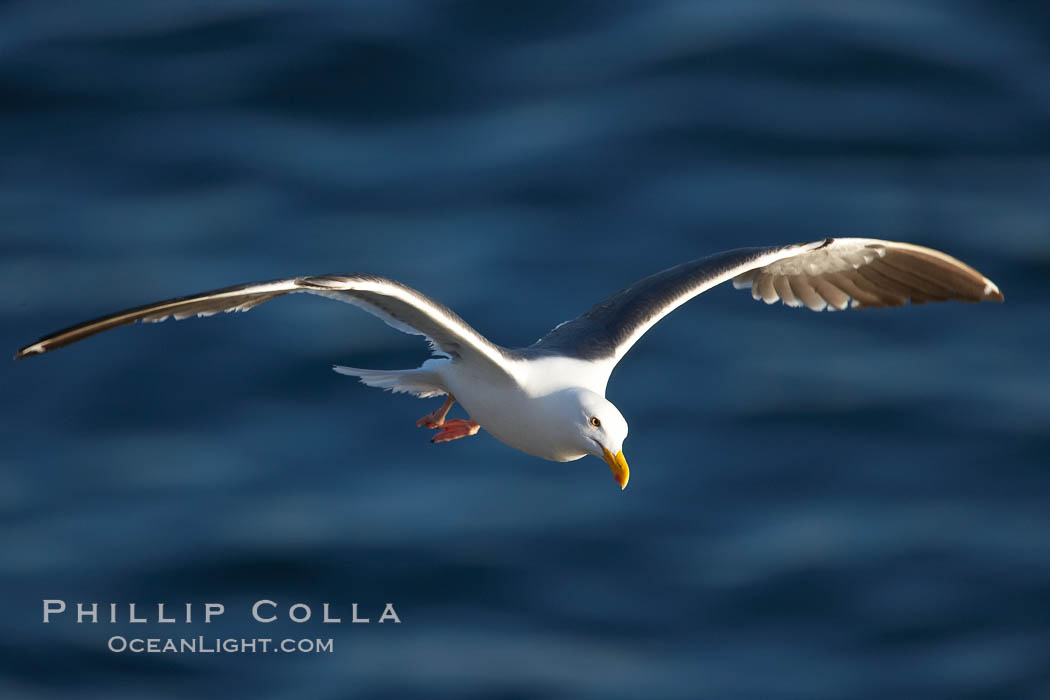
(420, 382)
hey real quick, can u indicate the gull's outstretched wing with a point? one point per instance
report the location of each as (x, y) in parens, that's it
(830, 273)
(399, 306)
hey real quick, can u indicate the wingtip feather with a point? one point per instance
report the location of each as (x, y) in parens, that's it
(34, 349)
(991, 292)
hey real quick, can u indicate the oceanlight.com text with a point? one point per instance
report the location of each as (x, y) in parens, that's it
(218, 645)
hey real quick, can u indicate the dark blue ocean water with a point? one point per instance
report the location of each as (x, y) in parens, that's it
(851, 505)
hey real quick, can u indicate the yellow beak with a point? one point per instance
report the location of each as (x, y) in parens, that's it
(619, 467)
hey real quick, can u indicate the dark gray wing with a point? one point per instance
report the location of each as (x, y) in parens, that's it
(836, 273)
(399, 306)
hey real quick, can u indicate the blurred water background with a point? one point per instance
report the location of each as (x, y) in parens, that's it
(849, 505)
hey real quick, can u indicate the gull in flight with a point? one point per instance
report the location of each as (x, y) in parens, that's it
(548, 399)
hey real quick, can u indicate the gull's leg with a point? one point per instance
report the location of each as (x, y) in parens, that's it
(456, 429)
(450, 429)
(437, 418)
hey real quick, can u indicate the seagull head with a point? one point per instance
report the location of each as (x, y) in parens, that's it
(600, 431)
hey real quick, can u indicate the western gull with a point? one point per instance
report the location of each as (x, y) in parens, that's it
(548, 399)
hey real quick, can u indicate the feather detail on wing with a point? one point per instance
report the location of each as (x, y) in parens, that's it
(866, 272)
(396, 304)
(829, 273)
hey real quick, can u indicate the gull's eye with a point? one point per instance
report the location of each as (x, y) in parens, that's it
(595, 422)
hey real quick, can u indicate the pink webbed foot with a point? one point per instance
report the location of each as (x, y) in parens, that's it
(456, 429)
